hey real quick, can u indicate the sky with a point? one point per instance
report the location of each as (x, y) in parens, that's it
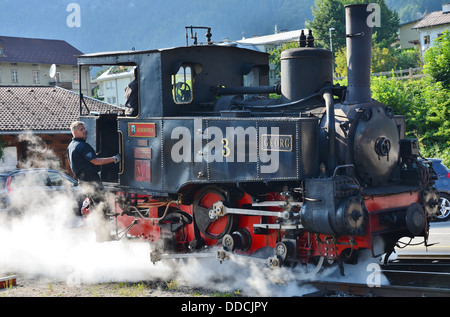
(110, 25)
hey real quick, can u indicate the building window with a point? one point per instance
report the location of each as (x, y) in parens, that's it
(76, 80)
(252, 78)
(110, 85)
(426, 40)
(36, 76)
(15, 76)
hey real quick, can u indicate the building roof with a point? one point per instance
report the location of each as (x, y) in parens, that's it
(116, 72)
(409, 22)
(433, 19)
(276, 38)
(37, 51)
(42, 109)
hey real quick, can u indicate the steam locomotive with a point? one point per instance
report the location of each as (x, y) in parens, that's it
(212, 165)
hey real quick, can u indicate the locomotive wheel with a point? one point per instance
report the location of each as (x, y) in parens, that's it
(431, 200)
(444, 207)
(211, 227)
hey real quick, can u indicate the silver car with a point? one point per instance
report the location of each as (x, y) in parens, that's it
(443, 186)
(22, 188)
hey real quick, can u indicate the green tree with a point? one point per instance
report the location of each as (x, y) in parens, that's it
(275, 56)
(437, 59)
(426, 105)
(383, 60)
(331, 14)
(385, 34)
(328, 14)
(340, 60)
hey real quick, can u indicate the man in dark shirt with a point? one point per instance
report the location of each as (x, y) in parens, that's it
(85, 166)
(83, 160)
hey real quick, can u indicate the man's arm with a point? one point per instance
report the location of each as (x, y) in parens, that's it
(106, 160)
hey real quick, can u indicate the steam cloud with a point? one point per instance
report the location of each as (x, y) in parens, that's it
(49, 240)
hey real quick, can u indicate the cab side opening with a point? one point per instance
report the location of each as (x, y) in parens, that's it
(108, 144)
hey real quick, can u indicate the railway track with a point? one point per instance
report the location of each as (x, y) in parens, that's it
(335, 288)
(413, 275)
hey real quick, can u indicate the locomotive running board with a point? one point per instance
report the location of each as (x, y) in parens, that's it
(221, 255)
(156, 257)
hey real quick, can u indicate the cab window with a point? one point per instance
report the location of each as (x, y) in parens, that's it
(252, 78)
(182, 85)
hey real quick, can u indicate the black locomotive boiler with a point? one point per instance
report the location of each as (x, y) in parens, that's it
(211, 165)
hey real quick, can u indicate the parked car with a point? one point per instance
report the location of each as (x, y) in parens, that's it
(443, 186)
(21, 189)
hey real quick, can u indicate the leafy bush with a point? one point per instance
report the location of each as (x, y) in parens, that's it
(426, 105)
(408, 58)
(425, 102)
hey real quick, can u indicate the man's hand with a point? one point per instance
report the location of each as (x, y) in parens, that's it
(117, 158)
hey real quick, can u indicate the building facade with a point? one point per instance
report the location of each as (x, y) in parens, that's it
(432, 26)
(409, 37)
(27, 62)
(112, 84)
(269, 43)
(35, 122)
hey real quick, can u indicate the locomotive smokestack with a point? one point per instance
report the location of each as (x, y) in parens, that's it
(359, 53)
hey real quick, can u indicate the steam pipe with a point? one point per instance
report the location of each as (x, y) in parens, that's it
(283, 105)
(80, 89)
(247, 90)
(329, 103)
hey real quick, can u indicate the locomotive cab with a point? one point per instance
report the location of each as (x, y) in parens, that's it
(181, 82)
(184, 80)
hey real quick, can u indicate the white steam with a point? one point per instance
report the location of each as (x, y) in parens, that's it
(250, 277)
(37, 153)
(48, 240)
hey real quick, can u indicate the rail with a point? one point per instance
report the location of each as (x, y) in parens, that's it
(358, 289)
(420, 276)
